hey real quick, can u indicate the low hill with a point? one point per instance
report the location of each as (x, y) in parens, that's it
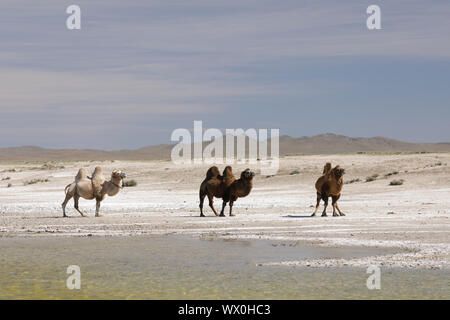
(332, 143)
(320, 144)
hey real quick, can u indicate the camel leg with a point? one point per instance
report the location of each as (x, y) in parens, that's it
(231, 208)
(333, 203)
(75, 200)
(222, 212)
(97, 208)
(340, 212)
(325, 200)
(202, 199)
(319, 196)
(68, 197)
(211, 204)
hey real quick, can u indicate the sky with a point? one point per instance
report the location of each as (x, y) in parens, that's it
(137, 70)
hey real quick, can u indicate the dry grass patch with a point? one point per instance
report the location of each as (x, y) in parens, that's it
(34, 181)
(129, 183)
(372, 178)
(396, 182)
(352, 181)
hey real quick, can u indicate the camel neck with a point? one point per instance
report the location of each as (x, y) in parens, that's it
(247, 183)
(116, 182)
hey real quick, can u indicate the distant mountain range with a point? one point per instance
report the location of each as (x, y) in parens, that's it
(320, 144)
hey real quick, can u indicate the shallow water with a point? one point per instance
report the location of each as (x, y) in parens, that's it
(190, 268)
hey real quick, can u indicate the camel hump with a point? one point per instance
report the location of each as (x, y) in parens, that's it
(82, 174)
(97, 181)
(228, 175)
(97, 175)
(228, 171)
(212, 172)
(97, 171)
(327, 168)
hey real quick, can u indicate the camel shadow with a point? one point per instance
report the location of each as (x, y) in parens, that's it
(54, 217)
(44, 217)
(198, 216)
(292, 216)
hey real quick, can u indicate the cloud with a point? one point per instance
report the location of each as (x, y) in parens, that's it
(31, 90)
(179, 60)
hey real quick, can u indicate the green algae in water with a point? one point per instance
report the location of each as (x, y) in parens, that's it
(188, 268)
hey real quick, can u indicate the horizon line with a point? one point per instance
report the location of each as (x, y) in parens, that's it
(175, 143)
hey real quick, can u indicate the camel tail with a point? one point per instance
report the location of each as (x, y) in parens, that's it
(67, 187)
(202, 191)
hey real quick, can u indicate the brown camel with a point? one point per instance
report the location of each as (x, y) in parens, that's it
(329, 185)
(238, 189)
(215, 185)
(92, 188)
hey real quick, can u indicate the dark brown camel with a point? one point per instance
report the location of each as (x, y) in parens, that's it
(215, 185)
(238, 189)
(329, 185)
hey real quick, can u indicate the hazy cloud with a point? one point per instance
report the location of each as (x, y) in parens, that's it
(153, 66)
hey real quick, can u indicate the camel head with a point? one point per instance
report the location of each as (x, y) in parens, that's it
(338, 172)
(117, 174)
(247, 175)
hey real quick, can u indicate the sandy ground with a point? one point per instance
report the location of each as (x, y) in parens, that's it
(413, 217)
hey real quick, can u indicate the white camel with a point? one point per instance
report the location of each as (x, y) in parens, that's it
(92, 188)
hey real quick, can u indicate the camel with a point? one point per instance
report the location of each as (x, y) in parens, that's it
(238, 189)
(95, 187)
(215, 185)
(329, 184)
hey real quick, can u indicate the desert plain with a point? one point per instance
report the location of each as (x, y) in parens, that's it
(412, 218)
